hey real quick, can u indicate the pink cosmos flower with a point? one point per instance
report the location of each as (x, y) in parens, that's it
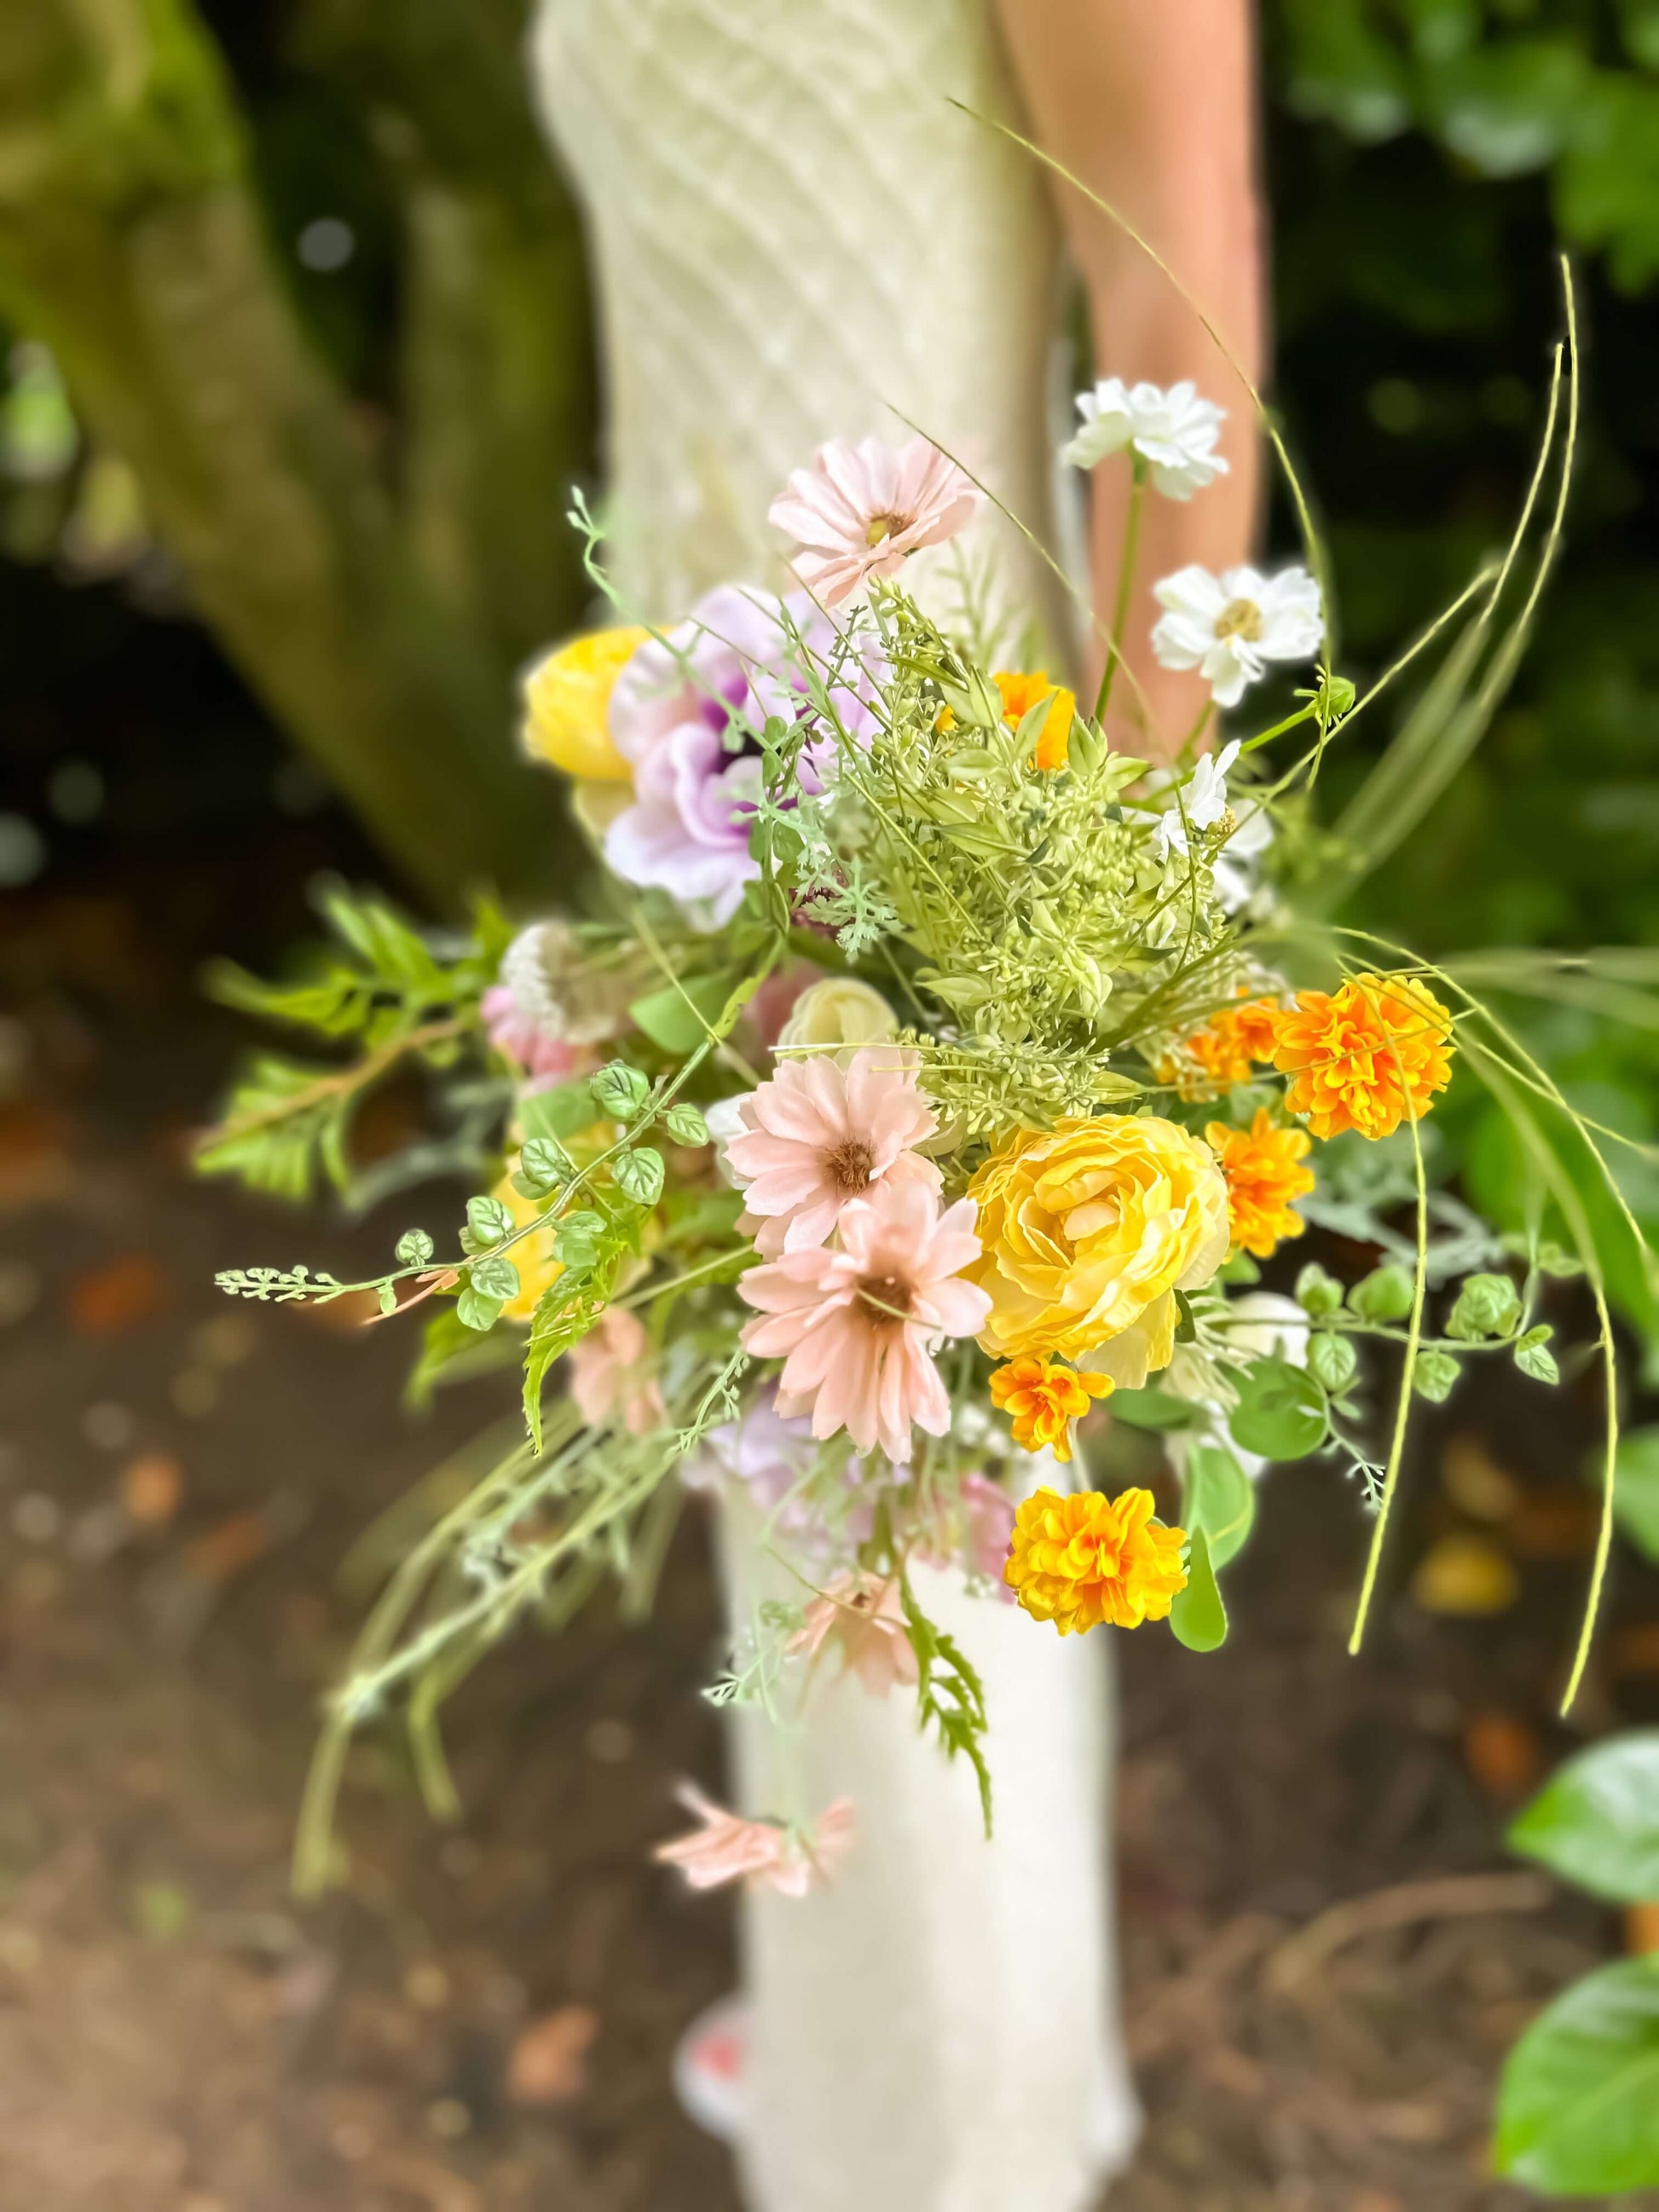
(764, 1853)
(988, 1513)
(816, 1137)
(859, 511)
(856, 1327)
(865, 1617)
(607, 1374)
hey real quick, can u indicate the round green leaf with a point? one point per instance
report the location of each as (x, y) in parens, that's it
(686, 1125)
(641, 1175)
(544, 1166)
(1434, 1375)
(413, 1248)
(1578, 2106)
(1487, 1305)
(1331, 1360)
(488, 1220)
(1596, 1820)
(619, 1091)
(495, 1276)
(1383, 1294)
(475, 1309)
(1316, 1293)
(1281, 1413)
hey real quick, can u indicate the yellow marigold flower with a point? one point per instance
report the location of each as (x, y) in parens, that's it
(1367, 1057)
(1223, 1052)
(1043, 1399)
(1088, 1230)
(1079, 1560)
(1020, 693)
(1264, 1172)
(566, 698)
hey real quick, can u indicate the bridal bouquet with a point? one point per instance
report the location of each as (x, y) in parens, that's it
(922, 1078)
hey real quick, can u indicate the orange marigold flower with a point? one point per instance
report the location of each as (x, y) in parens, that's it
(1222, 1052)
(1044, 1397)
(1263, 1168)
(1367, 1057)
(1079, 1560)
(1020, 693)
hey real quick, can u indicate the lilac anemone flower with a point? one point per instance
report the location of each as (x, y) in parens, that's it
(686, 713)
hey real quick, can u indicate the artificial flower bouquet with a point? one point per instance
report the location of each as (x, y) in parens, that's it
(923, 1077)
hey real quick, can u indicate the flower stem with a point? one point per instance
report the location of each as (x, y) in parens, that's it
(1126, 576)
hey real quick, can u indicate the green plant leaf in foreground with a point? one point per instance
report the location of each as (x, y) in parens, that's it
(1198, 1616)
(1636, 1494)
(1578, 2104)
(1218, 1498)
(1596, 1822)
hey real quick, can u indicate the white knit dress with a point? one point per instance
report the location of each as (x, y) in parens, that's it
(797, 237)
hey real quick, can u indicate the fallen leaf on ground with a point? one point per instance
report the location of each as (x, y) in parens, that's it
(152, 1488)
(1504, 1755)
(121, 1295)
(549, 2061)
(1465, 1576)
(1475, 1483)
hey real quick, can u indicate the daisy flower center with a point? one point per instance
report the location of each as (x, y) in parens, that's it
(850, 1166)
(881, 526)
(1240, 618)
(886, 1296)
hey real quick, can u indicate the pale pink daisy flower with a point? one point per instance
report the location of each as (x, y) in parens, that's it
(608, 1375)
(865, 1618)
(861, 511)
(765, 1853)
(816, 1136)
(856, 1329)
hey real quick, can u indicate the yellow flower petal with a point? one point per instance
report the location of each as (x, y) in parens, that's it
(567, 699)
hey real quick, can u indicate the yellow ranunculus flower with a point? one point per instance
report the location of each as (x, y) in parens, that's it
(1088, 1230)
(567, 697)
(538, 1265)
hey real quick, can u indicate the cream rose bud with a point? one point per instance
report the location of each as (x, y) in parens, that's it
(838, 1015)
(725, 1121)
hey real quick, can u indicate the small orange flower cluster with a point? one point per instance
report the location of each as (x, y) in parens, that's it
(1264, 1172)
(1044, 1397)
(1367, 1057)
(1020, 693)
(1087, 1559)
(1223, 1052)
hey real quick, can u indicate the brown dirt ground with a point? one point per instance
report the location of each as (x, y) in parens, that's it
(1327, 1951)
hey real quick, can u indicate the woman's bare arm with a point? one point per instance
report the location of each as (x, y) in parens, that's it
(1152, 104)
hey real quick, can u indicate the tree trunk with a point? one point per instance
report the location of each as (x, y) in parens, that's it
(132, 241)
(497, 362)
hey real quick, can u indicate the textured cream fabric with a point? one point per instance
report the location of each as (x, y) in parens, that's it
(795, 235)
(792, 229)
(937, 2030)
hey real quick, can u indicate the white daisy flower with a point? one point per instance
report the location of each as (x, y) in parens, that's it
(1174, 432)
(1230, 627)
(1234, 870)
(1206, 801)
